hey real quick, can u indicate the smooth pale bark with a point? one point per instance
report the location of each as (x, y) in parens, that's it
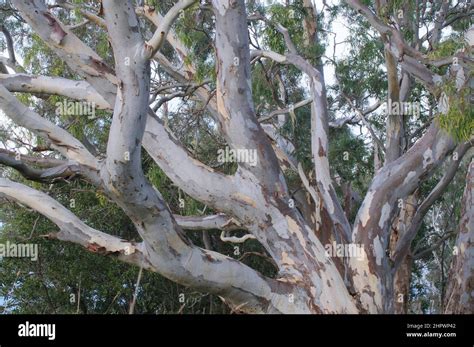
(78, 56)
(195, 178)
(395, 123)
(403, 245)
(236, 114)
(372, 277)
(205, 270)
(164, 26)
(72, 229)
(102, 78)
(459, 297)
(60, 139)
(281, 229)
(319, 140)
(76, 90)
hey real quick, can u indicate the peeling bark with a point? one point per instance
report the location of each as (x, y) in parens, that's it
(459, 297)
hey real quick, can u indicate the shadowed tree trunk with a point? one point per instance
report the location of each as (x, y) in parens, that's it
(459, 297)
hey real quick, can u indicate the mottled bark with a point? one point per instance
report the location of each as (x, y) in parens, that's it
(256, 198)
(373, 276)
(402, 275)
(459, 297)
(395, 124)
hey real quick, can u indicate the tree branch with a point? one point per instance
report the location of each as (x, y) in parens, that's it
(392, 182)
(76, 90)
(60, 139)
(319, 140)
(165, 24)
(217, 221)
(10, 48)
(71, 228)
(403, 245)
(67, 170)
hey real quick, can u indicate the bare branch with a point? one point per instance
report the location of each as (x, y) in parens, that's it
(77, 90)
(234, 239)
(286, 110)
(365, 122)
(161, 32)
(319, 140)
(218, 221)
(91, 17)
(60, 139)
(434, 246)
(71, 228)
(42, 162)
(64, 171)
(69, 48)
(392, 182)
(10, 48)
(403, 245)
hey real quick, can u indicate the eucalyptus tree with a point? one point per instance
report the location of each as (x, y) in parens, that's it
(147, 61)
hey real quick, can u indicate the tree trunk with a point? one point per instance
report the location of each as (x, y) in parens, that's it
(459, 297)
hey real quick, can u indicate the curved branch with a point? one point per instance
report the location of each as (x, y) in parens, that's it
(163, 147)
(67, 170)
(319, 138)
(77, 90)
(403, 245)
(237, 114)
(10, 48)
(69, 48)
(86, 14)
(72, 229)
(60, 139)
(234, 239)
(286, 110)
(217, 221)
(394, 181)
(165, 25)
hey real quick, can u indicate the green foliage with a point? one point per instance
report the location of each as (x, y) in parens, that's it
(459, 120)
(291, 18)
(349, 157)
(448, 47)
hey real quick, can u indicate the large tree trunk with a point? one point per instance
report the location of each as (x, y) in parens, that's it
(459, 297)
(401, 282)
